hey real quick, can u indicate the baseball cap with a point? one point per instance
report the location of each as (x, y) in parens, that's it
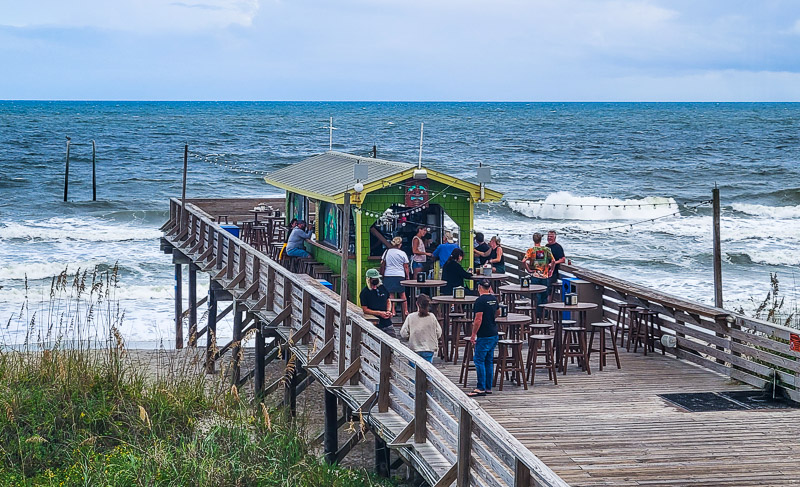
(373, 274)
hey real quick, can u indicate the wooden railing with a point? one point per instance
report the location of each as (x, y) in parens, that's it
(746, 349)
(405, 399)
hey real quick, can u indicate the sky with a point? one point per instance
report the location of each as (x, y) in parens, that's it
(405, 50)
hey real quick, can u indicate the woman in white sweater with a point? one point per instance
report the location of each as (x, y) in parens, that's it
(422, 329)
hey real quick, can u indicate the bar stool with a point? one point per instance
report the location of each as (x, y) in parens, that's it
(603, 348)
(467, 363)
(222, 217)
(574, 344)
(509, 362)
(623, 326)
(537, 329)
(461, 330)
(258, 237)
(533, 364)
(395, 302)
(645, 330)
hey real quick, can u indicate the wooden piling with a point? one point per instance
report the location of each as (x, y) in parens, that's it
(331, 438)
(717, 249)
(178, 306)
(236, 351)
(211, 331)
(192, 305)
(94, 172)
(183, 191)
(381, 457)
(66, 173)
(261, 352)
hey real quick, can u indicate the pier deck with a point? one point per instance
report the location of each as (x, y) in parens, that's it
(611, 428)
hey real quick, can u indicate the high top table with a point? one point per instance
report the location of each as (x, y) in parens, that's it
(557, 310)
(432, 284)
(513, 289)
(494, 279)
(513, 324)
(446, 301)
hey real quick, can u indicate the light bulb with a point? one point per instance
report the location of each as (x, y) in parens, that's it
(359, 187)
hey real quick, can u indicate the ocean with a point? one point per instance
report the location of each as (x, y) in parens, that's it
(608, 177)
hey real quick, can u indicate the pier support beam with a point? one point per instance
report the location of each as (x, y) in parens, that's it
(211, 331)
(381, 457)
(238, 315)
(331, 440)
(261, 354)
(192, 305)
(178, 306)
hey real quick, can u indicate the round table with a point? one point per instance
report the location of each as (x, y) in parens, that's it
(256, 212)
(513, 289)
(513, 324)
(432, 284)
(494, 278)
(447, 300)
(558, 309)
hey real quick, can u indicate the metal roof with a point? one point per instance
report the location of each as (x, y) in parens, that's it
(329, 175)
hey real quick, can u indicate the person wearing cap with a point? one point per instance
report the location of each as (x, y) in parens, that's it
(539, 262)
(296, 245)
(484, 337)
(374, 300)
(394, 267)
(444, 250)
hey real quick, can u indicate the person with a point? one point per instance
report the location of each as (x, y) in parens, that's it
(295, 247)
(292, 224)
(484, 337)
(558, 256)
(375, 301)
(394, 267)
(539, 263)
(419, 254)
(496, 257)
(482, 250)
(453, 273)
(422, 329)
(444, 250)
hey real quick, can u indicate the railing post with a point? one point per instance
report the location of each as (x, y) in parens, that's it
(306, 314)
(192, 305)
(355, 347)
(464, 447)
(211, 330)
(238, 311)
(385, 373)
(331, 437)
(330, 315)
(261, 352)
(420, 406)
(522, 474)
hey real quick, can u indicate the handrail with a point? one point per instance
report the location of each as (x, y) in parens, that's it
(478, 435)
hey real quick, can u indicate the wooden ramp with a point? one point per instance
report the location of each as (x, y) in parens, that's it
(611, 428)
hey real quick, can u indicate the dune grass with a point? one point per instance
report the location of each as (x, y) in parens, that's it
(82, 415)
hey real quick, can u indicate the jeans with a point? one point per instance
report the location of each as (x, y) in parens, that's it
(297, 252)
(541, 298)
(483, 356)
(426, 355)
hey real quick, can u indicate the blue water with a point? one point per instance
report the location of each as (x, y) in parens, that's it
(544, 156)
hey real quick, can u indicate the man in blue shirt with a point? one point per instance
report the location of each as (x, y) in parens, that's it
(296, 245)
(444, 250)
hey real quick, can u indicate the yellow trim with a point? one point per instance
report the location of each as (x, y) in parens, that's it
(474, 190)
(471, 230)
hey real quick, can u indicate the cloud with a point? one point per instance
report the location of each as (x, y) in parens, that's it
(141, 16)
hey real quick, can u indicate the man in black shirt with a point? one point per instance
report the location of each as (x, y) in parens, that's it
(484, 337)
(375, 301)
(558, 256)
(482, 250)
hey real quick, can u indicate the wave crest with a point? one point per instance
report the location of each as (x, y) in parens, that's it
(768, 211)
(566, 206)
(73, 229)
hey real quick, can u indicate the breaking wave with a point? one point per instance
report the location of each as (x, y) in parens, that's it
(566, 206)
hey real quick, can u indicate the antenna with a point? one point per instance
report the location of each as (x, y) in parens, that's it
(420, 173)
(421, 128)
(331, 128)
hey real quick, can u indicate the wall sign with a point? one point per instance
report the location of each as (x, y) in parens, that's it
(416, 193)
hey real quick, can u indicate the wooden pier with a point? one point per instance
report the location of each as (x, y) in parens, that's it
(609, 428)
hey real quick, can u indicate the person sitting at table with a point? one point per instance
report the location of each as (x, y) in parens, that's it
(496, 257)
(453, 273)
(422, 329)
(295, 247)
(394, 267)
(374, 300)
(484, 337)
(540, 263)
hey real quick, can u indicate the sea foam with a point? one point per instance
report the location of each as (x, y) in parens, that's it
(566, 206)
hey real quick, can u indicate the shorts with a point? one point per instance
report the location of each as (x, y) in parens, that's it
(392, 284)
(417, 265)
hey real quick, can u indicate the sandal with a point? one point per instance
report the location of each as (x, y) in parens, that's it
(476, 393)
(487, 392)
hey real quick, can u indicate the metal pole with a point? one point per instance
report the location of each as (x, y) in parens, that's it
(374, 151)
(717, 249)
(66, 173)
(343, 292)
(94, 172)
(183, 193)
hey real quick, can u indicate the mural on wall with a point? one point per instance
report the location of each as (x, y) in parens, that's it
(298, 206)
(330, 225)
(417, 193)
